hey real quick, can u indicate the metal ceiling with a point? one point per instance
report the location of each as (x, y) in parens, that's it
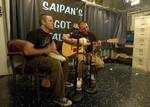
(121, 5)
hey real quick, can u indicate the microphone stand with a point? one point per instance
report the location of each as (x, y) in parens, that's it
(76, 68)
(90, 89)
(77, 96)
(91, 61)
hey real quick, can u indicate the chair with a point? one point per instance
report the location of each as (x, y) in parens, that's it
(15, 50)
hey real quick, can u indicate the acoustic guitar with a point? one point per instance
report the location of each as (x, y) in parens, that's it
(69, 50)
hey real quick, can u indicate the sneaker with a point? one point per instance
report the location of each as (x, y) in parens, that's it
(68, 84)
(90, 90)
(63, 102)
(77, 97)
(79, 85)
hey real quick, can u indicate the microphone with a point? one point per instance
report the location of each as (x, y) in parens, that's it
(76, 31)
(76, 26)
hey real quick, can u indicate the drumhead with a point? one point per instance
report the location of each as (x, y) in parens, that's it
(58, 57)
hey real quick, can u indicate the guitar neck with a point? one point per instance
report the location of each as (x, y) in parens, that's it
(110, 41)
(103, 41)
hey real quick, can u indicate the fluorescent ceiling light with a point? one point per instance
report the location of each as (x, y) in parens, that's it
(127, 1)
(93, 2)
(135, 2)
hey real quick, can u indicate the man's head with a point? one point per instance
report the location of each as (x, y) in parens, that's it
(84, 28)
(46, 21)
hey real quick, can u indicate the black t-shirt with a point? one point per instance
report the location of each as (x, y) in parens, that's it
(90, 36)
(39, 38)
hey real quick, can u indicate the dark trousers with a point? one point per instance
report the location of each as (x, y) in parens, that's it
(53, 70)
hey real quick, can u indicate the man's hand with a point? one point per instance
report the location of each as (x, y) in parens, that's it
(84, 42)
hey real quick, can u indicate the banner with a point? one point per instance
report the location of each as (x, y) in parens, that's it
(65, 13)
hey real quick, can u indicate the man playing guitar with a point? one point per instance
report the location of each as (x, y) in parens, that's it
(95, 45)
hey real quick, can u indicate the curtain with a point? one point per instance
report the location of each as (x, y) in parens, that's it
(6, 19)
(105, 23)
(24, 16)
(121, 28)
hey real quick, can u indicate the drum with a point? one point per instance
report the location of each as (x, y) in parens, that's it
(58, 56)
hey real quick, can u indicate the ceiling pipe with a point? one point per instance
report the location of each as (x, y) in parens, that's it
(103, 7)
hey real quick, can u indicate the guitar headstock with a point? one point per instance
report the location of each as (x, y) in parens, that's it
(112, 40)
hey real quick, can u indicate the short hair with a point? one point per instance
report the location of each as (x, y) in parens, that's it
(81, 23)
(42, 17)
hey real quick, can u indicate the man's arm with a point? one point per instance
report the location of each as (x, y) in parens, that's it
(29, 50)
(66, 38)
(73, 41)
